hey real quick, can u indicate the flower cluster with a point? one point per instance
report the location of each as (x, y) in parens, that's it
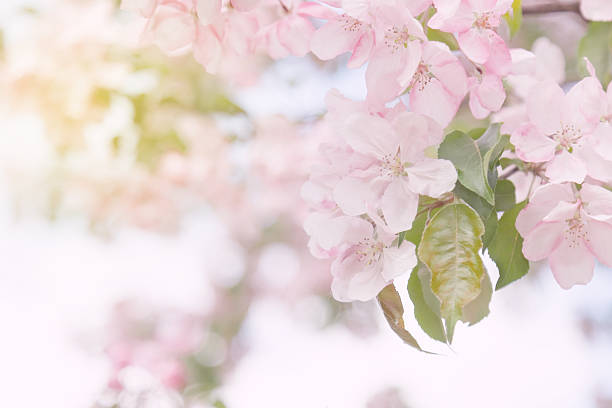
(385, 161)
(367, 189)
(568, 136)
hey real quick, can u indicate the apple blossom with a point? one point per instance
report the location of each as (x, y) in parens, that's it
(570, 228)
(559, 127)
(439, 84)
(369, 262)
(396, 55)
(474, 23)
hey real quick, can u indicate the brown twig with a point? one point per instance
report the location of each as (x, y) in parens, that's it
(546, 8)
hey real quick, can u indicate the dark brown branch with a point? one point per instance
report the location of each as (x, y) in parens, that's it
(546, 8)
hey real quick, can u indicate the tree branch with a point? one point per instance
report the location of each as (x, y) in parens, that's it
(546, 8)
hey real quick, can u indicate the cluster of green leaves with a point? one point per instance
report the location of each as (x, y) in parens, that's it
(450, 282)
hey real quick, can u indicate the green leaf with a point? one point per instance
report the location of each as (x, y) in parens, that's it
(392, 307)
(467, 157)
(596, 45)
(419, 284)
(476, 133)
(492, 143)
(506, 249)
(449, 248)
(490, 224)
(443, 37)
(505, 197)
(478, 308)
(483, 208)
(414, 234)
(514, 17)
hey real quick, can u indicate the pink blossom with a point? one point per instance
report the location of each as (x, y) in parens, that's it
(171, 27)
(546, 61)
(370, 262)
(396, 56)
(570, 228)
(486, 95)
(474, 23)
(341, 34)
(439, 84)
(559, 126)
(597, 154)
(292, 33)
(400, 170)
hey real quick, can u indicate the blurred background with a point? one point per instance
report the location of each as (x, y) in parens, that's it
(152, 253)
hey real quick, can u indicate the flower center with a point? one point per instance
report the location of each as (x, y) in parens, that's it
(397, 37)
(575, 232)
(369, 251)
(567, 137)
(485, 21)
(391, 165)
(422, 77)
(350, 23)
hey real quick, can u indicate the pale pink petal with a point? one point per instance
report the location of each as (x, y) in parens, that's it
(432, 177)
(434, 101)
(475, 44)
(418, 6)
(416, 133)
(316, 10)
(353, 195)
(398, 261)
(600, 240)
(563, 211)
(452, 16)
(144, 7)
(240, 33)
(542, 240)
(482, 6)
(588, 99)
(566, 167)
(399, 206)
(596, 10)
(381, 77)
(446, 68)
(572, 264)
(207, 49)
(329, 230)
(531, 145)
(551, 59)
(490, 93)
(597, 167)
(354, 280)
(208, 11)
(245, 5)
(412, 55)
(597, 200)
(476, 107)
(544, 199)
(362, 50)
(500, 61)
(371, 135)
(295, 33)
(601, 140)
(171, 29)
(269, 39)
(544, 106)
(333, 39)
